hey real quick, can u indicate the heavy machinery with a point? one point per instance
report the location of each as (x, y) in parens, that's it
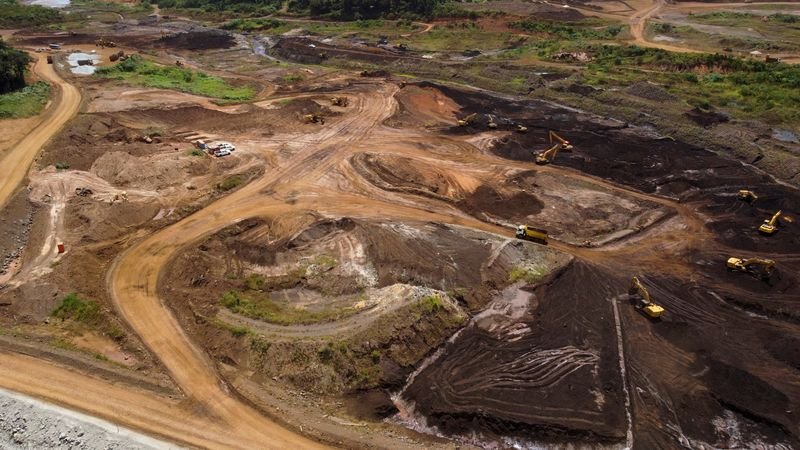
(644, 304)
(565, 145)
(521, 128)
(340, 101)
(314, 118)
(747, 196)
(467, 120)
(770, 226)
(529, 233)
(492, 124)
(102, 43)
(547, 156)
(758, 267)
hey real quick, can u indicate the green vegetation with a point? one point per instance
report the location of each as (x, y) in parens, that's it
(62, 166)
(25, 102)
(430, 304)
(74, 308)
(14, 14)
(569, 31)
(241, 7)
(257, 305)
(254, 282)
(459, 37)
(252, 24)
(195, 152)
(739, 19)
(365, 9)
(529, 275)
(139, 71)
(230, 183)
(747, 87)
(13, 65)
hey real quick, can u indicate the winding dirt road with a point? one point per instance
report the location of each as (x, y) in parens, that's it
(65, 104)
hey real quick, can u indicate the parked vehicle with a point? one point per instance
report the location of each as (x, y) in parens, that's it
(220, 152)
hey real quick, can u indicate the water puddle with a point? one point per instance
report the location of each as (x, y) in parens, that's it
(75, 59)
(49, 3)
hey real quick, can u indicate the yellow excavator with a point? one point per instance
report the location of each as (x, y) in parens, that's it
(747, 196)
(521, 128)
(644, 304)
(770, 226)
(492, 124)
(340, 101)
(467, 120)
(547, 156)
(313, 118)
(757, 267)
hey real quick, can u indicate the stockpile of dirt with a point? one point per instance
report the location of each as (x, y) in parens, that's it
(650, 91)
(487, 202)
(153, 173)
(395, 173)
(423, 107)
(554, 376)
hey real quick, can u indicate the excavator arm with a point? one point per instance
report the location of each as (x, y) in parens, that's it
(547, 156)
(565, 145)
(770, 226)
(645, 305)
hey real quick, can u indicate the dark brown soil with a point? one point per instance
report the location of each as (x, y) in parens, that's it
(466, 390)
(515, 207)
(198, 40)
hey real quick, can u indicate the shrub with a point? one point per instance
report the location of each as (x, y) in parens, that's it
(74, 308)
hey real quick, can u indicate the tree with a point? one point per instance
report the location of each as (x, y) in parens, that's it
(13, 64)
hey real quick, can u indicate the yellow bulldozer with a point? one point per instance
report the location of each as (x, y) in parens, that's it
(643, 303)
(340, 101)
(758, 267)
(770, 226)
(747, 196)
(314, 118)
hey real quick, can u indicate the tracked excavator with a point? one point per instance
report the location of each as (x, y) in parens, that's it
(747, 196)
(492, 124)
(644, 304)
(521, 128)
(758, 267)
(547, 156)
(340, 101)
(770, 226)
(467, 120)
(313, 118)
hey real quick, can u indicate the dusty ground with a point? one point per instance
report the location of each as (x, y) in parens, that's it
(400, 312)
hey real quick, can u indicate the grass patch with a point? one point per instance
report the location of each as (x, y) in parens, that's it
(430, 304)
(231, 182)
(25, 102)
(527, 274)
(457, 38)
(75, 308)
(139, 71)
(257, 24)
(195, 152)
(14, 14)
(258, 306)
(568, 31)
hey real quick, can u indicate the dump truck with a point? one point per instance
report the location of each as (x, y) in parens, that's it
(644, 304)
(530, 233)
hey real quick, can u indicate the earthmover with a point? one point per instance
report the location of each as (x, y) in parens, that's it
(547, 156)
(529, 233)
(340, 101)
(313, 118)
(467, 120)
(758, 267)
(102, 43)
(644, 304)
(770, 226)
(521, 128)
(747, 196)
(492, 124)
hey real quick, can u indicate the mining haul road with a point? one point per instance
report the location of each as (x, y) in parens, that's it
(65, 104)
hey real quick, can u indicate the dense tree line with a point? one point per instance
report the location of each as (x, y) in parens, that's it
(13, 64)
(13, 14)
(366, 9)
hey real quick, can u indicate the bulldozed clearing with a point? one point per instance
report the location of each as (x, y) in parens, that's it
(357, 282)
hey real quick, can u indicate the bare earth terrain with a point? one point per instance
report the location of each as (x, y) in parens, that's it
(357, 283)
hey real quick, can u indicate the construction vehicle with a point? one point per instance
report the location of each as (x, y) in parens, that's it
(644, 304)
(758, 267)
(314, 118)
(770, 226)
(529, 233)
(521, 128)
(565, 145)
(467, 120)
(340, 101)
(102, 43)
(492, 124)
(547, 156)
(747, 196)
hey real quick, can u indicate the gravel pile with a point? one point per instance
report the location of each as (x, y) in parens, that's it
(26, 423)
